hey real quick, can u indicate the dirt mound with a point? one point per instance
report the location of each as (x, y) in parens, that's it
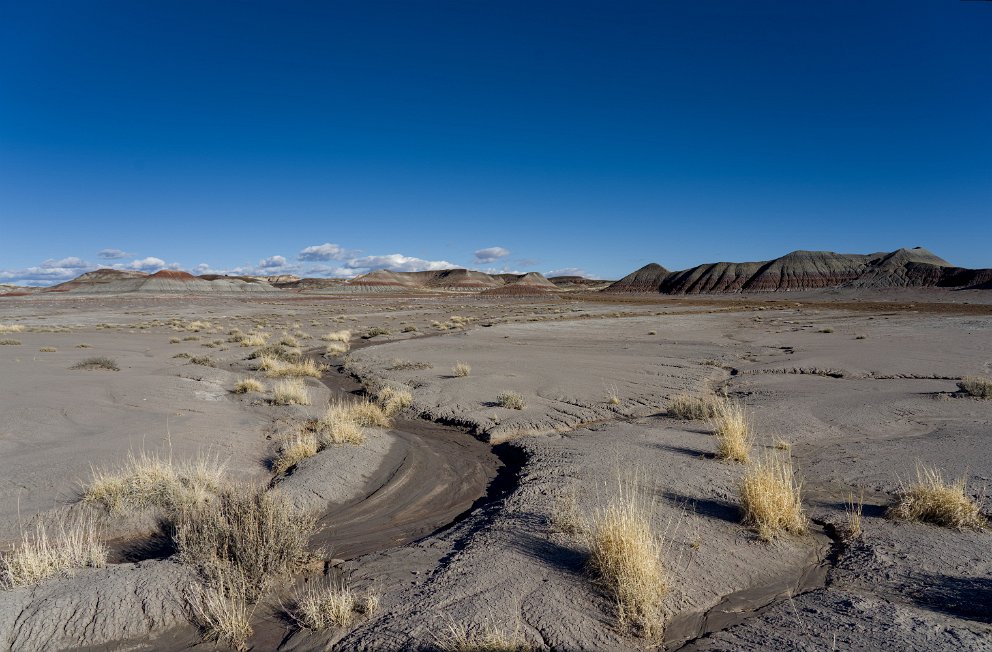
(110, 281)
(530, 284)
(647, 279)
(808, 270)
(174, 274)
(579, 283)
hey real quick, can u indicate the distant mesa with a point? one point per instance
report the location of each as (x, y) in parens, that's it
(808, 270)
(795, 271)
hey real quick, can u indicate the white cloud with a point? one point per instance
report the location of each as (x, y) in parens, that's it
(396, 263)
(112, 254)
(490, 254)
(272, 262)
(568, 271)
(326, 251)
(149, 264)
(49, 272)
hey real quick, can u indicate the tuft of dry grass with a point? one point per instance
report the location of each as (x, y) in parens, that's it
(336, 348)
(931, 499)
(732, 429)
(567, 518)
(254, 339)
(256, 534)
(11, 328)
(490, 638)
(248, 385)
(374, 331)
(368, 414)
(276, 368)
(338, 427)
(9, 342)
(291, 392)
(294, 450)
(150, 480)
(48, 349)
(203, 360)
(613, 395)
(976, 386)
(97, 363)
(223, 610)
(392, 399)
(43, 554)
(851, 528)
(461, 369)
(684, 406)
(337, 336)
(289, 340)
(771, 498)
(626, 557)
(320, 608)
(511, 400)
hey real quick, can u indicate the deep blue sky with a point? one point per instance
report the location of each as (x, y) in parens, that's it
(597, 135)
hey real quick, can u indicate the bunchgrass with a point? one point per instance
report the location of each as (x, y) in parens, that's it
(511, 400)
(51, 551)
(732, 428)
(97, 363)
(976, 386)
(461, 369)
(291, 392)
(932, 499)
(248, 385)
(626, 558)
(685, 406)
(771, 498)
(294, 450)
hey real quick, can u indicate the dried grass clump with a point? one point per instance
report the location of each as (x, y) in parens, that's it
(291, 392)
(11, 328)
(248, 385)
(851, 528)
(511, 400)
(626, 557)
(48, 349)
(338, 426)
(684, 406)
(289, 340)
(399, 364)
(254, 339)
(223, 610)
(368, 414)
(9, 342)
(149, 480)
(337, 336)
(771, 498)
(490, 638)
(294, 450)
(931, 499)
(336, 348)
(257, 535)
(392, 399)
(374, 331)
(40, 554)
(976, 386)
(203, 360)
(97, 363)
(461, 369)
(732, 429)
(320, 608)
(276, 368)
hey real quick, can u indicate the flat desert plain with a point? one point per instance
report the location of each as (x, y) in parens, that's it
(481, 473)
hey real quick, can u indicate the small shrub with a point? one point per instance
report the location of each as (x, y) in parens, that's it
(410, 329)
(732, 429)
(976, 386)
(40, 555)
(174, 340)
(374, 331)
(101, 362)
(461, 369)
(202, 360)
(771, 498)
(626, 557)
(826, 330)
(256, 534)
(684, 406)
(248, 385)
(276, 351)
(48, 349)
(291, 392)
(398, 364)
(931, 499)
(9, 342)
(511, 400)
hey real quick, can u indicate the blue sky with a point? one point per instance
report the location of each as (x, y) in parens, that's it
(329, 138)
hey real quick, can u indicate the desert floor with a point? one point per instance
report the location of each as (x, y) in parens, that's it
(452, 514)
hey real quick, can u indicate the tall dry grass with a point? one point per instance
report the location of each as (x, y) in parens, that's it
(771, 498)
(51, 551)
(626, 557)
(932, 499)
(732, 428)
(685, 406)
